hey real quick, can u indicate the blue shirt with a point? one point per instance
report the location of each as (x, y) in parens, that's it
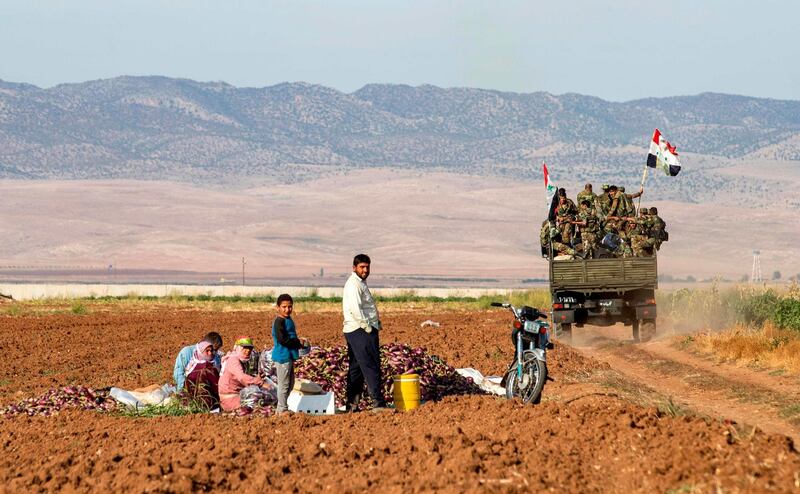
(184, 356)
(284, 336)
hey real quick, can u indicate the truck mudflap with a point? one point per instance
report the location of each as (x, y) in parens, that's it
(564, 316)
(646, 312)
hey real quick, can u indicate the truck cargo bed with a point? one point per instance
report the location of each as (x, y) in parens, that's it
(597, 275)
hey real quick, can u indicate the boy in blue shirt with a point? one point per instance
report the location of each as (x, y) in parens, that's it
(286, 348)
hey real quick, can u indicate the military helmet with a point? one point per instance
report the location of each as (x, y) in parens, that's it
(605, 186)
(653, 210)
(621, 189)
(644, 211)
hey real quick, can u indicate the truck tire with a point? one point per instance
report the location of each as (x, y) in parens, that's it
(647, 329)
(635, 329)
(565, 332)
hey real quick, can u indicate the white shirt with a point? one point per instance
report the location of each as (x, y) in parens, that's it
(358, 306)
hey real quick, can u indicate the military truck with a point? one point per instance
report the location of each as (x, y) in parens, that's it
(603, 292)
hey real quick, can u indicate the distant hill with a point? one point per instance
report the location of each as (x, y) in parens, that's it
(177, 129)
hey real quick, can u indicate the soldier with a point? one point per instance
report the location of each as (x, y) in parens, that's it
(587, 195)
(565, 213)
(627, 202)
(625, 236)
(626, 207)
(640, 235)
(603, 202)
(658, 229)
(547, 232)
(590, 229)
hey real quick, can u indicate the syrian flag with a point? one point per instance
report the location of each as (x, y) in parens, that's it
(550, 192)
(663, 155)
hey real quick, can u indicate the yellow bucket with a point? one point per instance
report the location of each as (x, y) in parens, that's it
(406, 391)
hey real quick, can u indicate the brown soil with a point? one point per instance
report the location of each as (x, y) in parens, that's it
(748, 397)
(578, 440)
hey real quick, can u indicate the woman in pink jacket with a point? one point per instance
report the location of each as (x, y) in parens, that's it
(234, 378)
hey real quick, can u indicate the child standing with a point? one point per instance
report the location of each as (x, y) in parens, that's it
(285, 350)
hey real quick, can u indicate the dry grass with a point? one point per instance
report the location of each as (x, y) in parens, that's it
(767, 347)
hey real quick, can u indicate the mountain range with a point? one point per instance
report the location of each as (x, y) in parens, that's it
(156, 128)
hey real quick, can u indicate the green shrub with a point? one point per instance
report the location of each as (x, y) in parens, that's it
(787, 314)
(757, 308)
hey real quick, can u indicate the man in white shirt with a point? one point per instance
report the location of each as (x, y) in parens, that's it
(361, 327)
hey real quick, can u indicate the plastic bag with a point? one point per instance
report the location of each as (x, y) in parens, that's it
(265, 365)
(254, 396)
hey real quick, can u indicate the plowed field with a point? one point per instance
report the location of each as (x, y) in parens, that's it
(597, 430)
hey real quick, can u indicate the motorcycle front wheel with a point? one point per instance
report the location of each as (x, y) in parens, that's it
(534, 375)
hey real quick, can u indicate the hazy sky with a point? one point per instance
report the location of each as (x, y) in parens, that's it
(617, 50)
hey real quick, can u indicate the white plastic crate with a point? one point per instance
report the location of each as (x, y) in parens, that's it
(312, 404)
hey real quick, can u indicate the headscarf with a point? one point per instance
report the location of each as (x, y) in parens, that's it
(199, 356)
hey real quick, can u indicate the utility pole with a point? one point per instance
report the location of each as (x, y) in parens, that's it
(243, 263)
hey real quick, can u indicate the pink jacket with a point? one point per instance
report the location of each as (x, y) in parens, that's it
(233, 380)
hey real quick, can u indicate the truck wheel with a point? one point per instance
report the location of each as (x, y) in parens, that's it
(636, 330)
(648, 329)
(565, 332)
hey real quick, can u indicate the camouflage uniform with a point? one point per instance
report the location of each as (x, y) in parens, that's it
(624, 249)
(603, 205)
(566, 213)
(590, 232)
(658, 230)
(587, 195)
(640, 244)
(617, 207)
(627, 203)
(558, 247)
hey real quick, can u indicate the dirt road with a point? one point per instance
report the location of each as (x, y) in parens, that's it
(745, 396)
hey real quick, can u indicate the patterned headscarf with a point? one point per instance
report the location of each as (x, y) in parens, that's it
(199, 356)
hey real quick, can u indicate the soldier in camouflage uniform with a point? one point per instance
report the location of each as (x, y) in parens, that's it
(613, 226)
(590, 229)
(627, 202)
(603, 202)
(565, 214)
(658, 228)
(623, 203)
(559, 248)
(641, 244)
(625, 236)
(587, 195)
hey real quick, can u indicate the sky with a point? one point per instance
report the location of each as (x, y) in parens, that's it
(617, 50)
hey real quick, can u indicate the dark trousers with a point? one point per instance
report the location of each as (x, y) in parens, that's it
(364, 360)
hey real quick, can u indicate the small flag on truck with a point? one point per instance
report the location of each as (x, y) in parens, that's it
(550, 192)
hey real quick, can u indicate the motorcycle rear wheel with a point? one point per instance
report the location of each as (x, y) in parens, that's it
(534, 375)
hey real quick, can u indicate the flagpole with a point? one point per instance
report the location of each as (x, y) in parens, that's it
(644, 177)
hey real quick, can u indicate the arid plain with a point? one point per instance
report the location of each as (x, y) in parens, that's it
(426, 224)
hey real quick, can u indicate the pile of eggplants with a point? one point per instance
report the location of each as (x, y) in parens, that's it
(57, 399)
(328, 368)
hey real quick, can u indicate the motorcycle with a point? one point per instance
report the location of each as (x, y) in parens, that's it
(527, 374)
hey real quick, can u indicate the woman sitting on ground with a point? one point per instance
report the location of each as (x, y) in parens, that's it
(234, 374)
(202, 377)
